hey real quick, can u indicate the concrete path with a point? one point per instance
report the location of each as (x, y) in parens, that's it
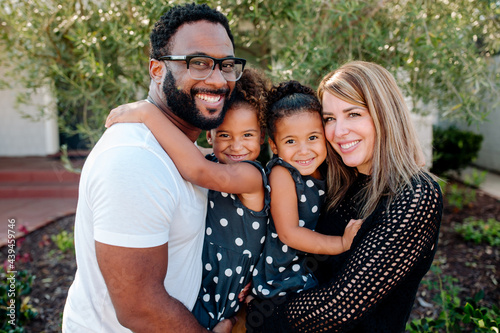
(34, 191)
(491, 184)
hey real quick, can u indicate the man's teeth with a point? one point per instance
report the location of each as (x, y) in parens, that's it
(209, 98)
(349, 145)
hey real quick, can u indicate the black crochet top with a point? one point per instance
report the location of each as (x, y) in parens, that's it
(371, 287)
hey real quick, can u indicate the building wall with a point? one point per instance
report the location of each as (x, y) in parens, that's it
(489, 155)
(423, 125)
(21, 136)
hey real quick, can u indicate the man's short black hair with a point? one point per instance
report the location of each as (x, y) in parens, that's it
(166, 27)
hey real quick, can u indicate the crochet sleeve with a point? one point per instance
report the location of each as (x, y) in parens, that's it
(400, 237)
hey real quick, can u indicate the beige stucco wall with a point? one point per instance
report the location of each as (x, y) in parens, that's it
(22, 136)
(489, 155)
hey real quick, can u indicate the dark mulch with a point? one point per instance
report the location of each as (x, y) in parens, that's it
(475, 267)
(54, 271)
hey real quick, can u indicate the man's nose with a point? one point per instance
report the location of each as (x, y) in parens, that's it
(216, 79)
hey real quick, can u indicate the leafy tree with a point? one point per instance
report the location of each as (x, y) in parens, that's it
(94, 53)
(439, 49)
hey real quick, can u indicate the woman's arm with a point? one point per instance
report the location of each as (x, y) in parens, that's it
(284, 210)
(386, 255)
(235, 178)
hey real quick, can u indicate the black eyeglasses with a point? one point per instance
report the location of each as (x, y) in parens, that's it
(201, 67)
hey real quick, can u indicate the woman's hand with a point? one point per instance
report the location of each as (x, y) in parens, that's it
(350, 231)
(128, 113)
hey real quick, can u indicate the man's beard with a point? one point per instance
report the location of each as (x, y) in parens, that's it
(184, 106)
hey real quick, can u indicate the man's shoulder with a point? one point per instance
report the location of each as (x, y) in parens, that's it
(125, 146)
(123, 134)
(128, 136)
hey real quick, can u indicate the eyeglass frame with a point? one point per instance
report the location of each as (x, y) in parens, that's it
(187, 59)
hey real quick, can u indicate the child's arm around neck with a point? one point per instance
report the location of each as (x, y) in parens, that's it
(235, 178)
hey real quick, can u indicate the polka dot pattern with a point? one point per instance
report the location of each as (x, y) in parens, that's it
(233, 242)
(282, 268)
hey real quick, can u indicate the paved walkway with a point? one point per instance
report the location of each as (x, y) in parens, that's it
(491, 184)
(33, 213)
(34, 191)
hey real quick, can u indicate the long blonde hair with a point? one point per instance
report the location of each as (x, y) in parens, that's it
(397, 156)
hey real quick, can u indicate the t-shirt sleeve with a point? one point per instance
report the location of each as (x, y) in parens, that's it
(402, 236)
(132, 193)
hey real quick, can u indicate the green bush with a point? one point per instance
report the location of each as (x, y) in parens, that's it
(454, 149)
(453, 316)
(480, 231)
(93, 54)
(64, 241)
(459, 197)
(15, 287)
(459, 319)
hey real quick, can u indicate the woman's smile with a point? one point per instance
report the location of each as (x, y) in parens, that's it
(350, 130)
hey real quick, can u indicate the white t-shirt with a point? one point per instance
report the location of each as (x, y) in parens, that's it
(132, 195)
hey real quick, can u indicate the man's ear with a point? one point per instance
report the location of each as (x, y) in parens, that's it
(274, 149)
(156, 70)
(209, 138)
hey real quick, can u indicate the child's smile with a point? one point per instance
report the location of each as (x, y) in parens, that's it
(300, 141)
(239, 137)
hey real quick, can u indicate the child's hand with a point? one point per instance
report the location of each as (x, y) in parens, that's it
(244, 292)
(225, 326)
(248, 299)
(127, 113)
(350, 231)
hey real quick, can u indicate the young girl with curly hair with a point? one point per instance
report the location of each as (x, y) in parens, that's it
(238, 200)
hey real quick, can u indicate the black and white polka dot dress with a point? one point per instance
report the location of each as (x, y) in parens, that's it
(282, 269)
(233, 242)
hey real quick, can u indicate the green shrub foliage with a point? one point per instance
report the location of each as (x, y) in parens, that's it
(454, 149)
(15, 307)
(452, 314)
(480, 231)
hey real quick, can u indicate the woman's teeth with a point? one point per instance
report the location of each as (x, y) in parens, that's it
(349, 145)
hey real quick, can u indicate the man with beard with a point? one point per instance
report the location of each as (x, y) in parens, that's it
(139, 226)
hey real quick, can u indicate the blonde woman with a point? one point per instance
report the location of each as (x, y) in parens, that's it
(376, 174)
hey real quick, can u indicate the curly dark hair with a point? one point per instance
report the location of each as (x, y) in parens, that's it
(286, 99)
(252, 89)
(166, 27)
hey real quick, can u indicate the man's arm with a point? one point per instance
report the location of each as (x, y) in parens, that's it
(134, 277)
